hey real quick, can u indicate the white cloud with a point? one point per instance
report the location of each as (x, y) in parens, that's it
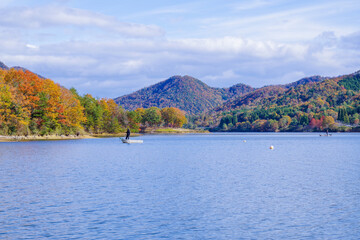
(291, 77)
(31, 46)
(285, 24)
(227, 75)
(56, 63)
(219, 62)
(351, 41)
(119, 67)
(50, 16)
(261, 49)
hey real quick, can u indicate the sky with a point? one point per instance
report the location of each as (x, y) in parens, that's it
(110, 48)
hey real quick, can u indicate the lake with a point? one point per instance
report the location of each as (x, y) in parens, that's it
(211, 186)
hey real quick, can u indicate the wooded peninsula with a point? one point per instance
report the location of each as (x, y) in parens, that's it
(32, 105)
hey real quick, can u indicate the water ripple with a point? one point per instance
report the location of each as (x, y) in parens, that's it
(182, 187)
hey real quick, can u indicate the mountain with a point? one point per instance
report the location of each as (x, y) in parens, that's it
(237, 90)
(305, 81)
(253, 98)
(299, 92)
(313, 104)
(3, 66)
(184, 92)
(195, 97)
(25, 69)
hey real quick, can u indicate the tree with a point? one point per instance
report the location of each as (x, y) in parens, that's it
(304, 120)
(180, 118)
(134, 119)
(226, 119)
(346, 118)
(234, 120)
(328, 122)
(259, 125)
(316, 123)
(173, 117)
(93, 114)
(343, 115)
(284, 122)
(152, 116)
(49, 108)
(168, 115)
(243, 126)
(271, 125)
(12, 117)
(112, 116)
(73, 112)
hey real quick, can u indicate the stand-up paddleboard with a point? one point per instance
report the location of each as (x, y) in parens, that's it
(131, 141)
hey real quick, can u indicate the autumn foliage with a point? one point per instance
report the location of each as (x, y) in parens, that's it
(31, 105)
(328, 104)
(156, 117)
(173, 117)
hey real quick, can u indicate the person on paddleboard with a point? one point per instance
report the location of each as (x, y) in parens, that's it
(127, 134)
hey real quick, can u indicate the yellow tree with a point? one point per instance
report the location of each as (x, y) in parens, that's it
(180, 119)
(14, 116)
(112, 115)
(173, 117)
(328, 122)
(168, 116)
(72, 113)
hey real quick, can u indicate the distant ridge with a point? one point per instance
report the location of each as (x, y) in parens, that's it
(195, 97)
(312, 96)
(24, 69)
(184, 92)
(3, 66)
(305, 81)
(298, 92)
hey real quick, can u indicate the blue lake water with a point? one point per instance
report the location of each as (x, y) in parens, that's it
(212, 186)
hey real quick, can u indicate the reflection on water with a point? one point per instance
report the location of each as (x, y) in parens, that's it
(182, 187)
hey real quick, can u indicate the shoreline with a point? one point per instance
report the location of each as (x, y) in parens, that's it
(164, 131)
(174, 132)
(42, 138)
(56, 137)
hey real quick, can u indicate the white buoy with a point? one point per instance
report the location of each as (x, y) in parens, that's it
(272, 147)
(244, 141)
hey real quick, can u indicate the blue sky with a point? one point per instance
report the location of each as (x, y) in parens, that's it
(111, 48)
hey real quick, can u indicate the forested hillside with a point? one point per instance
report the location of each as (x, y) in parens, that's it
(324, 104)
(186, 93)
(31, 105)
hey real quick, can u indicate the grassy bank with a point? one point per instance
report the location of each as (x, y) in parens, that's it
(42, 138)
(57, 137)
